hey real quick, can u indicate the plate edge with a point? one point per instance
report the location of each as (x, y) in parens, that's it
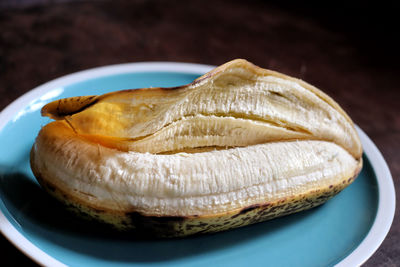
(386, 206)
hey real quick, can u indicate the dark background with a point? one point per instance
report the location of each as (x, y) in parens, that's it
(349, 50)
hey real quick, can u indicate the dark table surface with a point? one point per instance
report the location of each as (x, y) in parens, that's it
(349, 51)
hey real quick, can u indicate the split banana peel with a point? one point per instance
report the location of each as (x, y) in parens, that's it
(239, 145)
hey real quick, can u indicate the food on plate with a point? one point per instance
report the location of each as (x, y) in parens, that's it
(237, 146)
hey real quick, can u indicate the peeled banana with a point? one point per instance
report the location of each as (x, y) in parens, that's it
(239, 145)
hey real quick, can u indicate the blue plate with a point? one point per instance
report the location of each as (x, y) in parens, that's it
(347, 229)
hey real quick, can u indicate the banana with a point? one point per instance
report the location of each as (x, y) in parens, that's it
(239, 145)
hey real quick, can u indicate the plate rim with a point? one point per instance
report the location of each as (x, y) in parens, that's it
(364, 250)
(386, 206)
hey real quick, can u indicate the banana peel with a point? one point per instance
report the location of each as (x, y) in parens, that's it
(237, 146)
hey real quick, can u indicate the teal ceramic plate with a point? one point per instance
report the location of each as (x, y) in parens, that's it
(344, 231)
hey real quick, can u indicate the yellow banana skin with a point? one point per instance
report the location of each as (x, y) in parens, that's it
(239, 145)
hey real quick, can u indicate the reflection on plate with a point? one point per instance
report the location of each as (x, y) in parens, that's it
(345, 231)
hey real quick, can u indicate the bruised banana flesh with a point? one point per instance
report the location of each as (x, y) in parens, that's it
(239, 145)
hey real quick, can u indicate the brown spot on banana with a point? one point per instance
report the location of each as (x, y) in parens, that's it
(67, 106)
(237, 146)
